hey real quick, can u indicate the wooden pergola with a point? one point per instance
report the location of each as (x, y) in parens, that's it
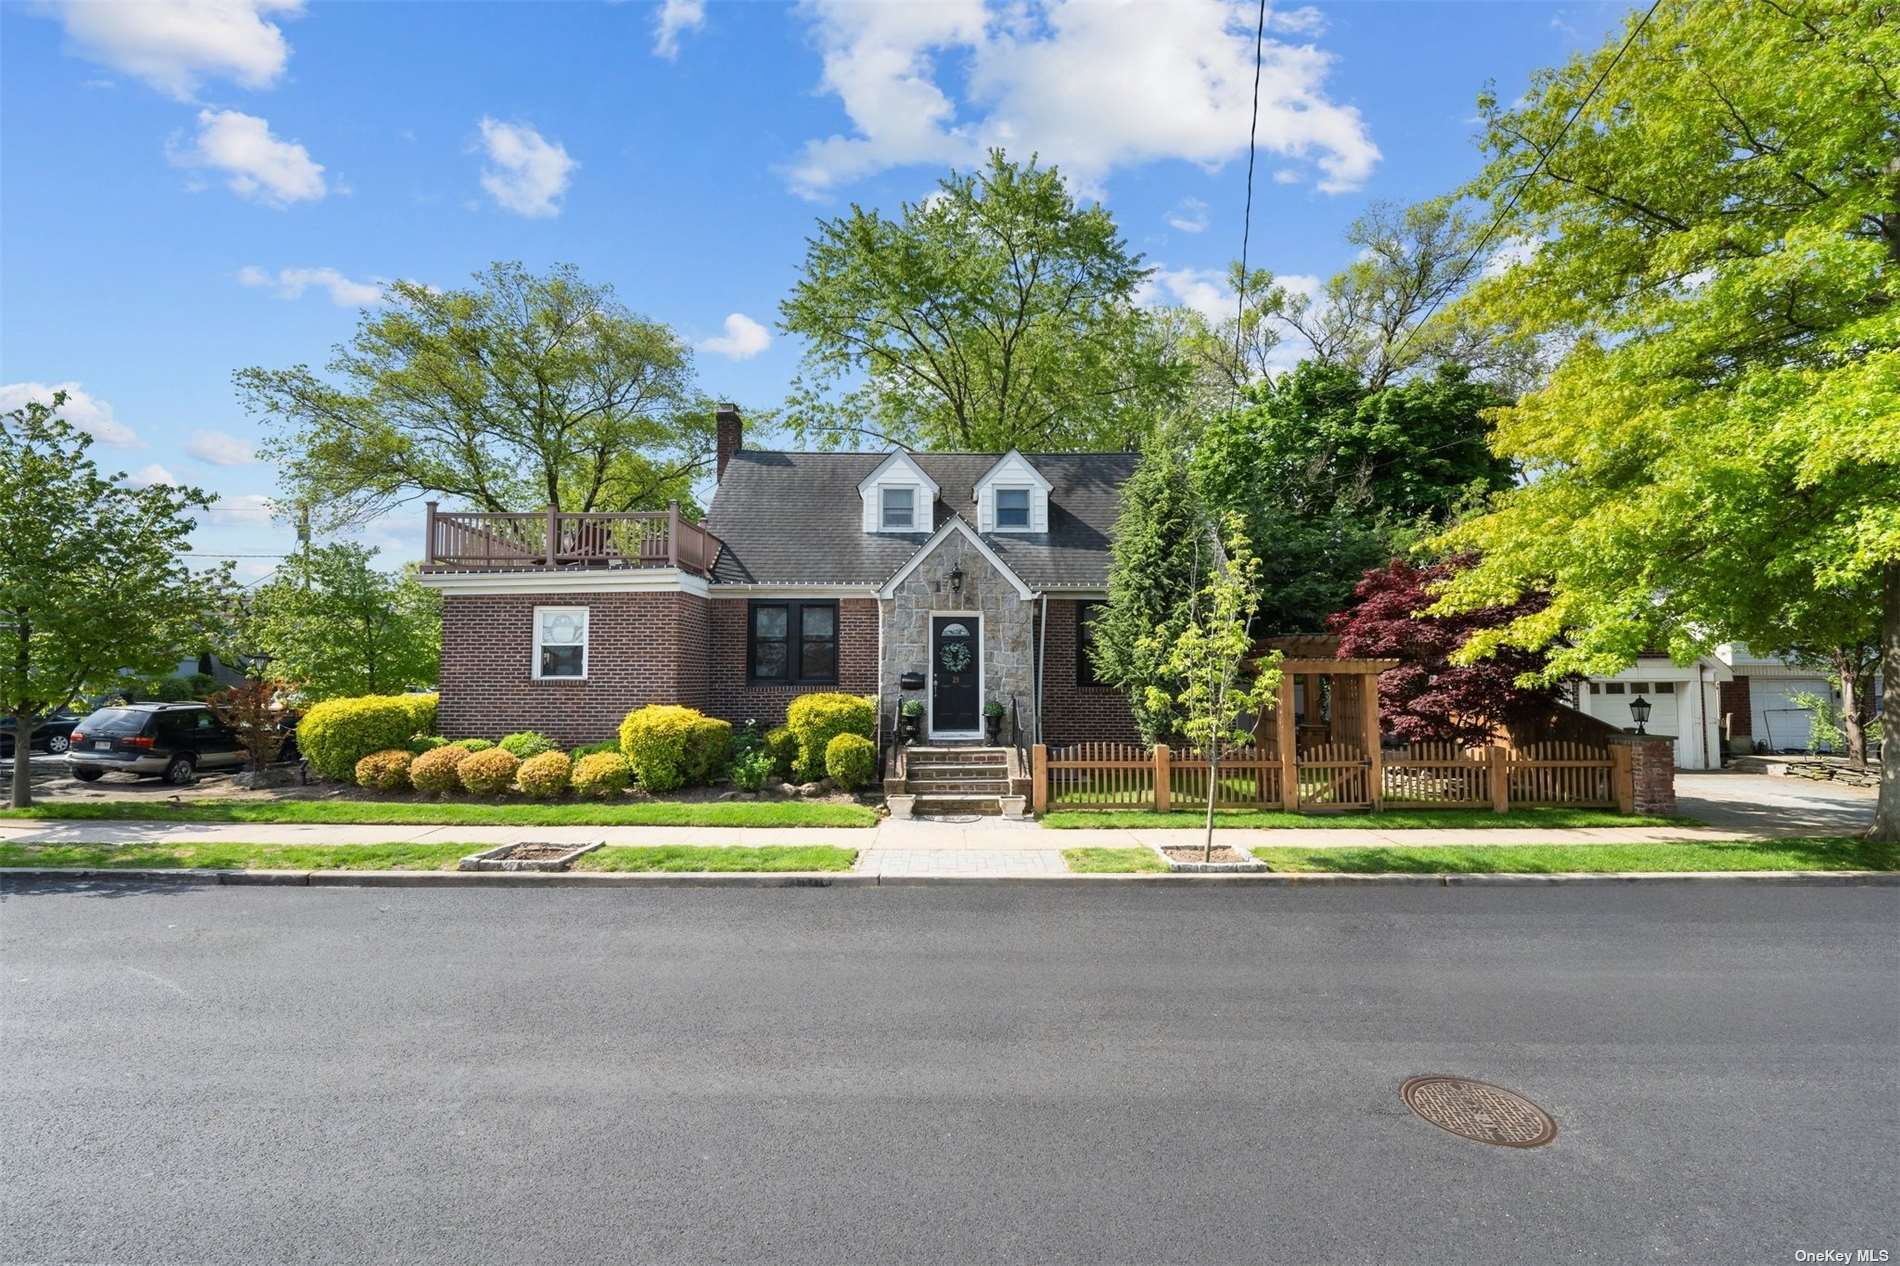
(1325, 728)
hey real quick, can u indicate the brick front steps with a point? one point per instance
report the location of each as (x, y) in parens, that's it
(955, 780)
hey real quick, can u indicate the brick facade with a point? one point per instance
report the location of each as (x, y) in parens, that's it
(730, 694)
(1733, 703)
(1073, 713)
(643, 647)
(1653, 769)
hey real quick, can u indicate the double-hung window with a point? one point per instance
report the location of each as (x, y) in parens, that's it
(793, 642)
(1012, 507)
(560, 643)
(899, 509)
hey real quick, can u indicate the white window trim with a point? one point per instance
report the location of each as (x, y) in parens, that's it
(1029, 509)
(883, 492)
(586, 641)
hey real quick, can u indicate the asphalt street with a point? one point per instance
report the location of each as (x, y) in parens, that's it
(944, 1074)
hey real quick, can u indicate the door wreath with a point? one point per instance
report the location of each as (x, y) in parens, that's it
(955, 657)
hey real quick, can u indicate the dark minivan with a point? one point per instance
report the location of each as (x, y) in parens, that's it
(169, 740)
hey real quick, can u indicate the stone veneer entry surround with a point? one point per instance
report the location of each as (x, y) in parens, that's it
(1009, 625)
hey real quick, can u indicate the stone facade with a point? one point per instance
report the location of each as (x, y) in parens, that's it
(732, 695)
(1009, 624)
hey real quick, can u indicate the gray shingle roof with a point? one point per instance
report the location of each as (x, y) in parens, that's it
(794, 518)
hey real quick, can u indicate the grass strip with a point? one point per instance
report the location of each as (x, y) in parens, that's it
(1390, 820)
(1809, 853)
(225, 856)
(746, 813)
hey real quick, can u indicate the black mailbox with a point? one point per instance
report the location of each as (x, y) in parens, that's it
(910, 681)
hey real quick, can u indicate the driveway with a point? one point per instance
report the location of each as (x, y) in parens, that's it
(1775, 806)
(947, 1074)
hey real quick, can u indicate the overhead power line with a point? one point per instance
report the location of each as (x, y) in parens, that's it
(1246, 222)
(1543, 157)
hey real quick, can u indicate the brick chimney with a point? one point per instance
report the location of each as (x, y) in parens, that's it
(731, 436)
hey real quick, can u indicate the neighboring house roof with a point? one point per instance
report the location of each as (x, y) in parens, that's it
(793, 518)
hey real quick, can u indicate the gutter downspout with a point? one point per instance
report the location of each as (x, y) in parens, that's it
(1702, 707)
(1042, 648)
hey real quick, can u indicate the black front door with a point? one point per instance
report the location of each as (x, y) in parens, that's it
(955, 653)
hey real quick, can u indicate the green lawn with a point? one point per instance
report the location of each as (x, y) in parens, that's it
(1817, 853)
(413, 812)
(677, 858)
(408, 857)
(1391, 820)
(1112, 861)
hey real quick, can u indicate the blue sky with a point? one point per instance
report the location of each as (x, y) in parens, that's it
(190, 187)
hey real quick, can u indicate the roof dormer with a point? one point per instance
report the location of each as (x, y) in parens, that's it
(1012, 497)
(898, 496)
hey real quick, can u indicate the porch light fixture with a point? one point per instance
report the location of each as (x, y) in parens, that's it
(956, 580)
(1639, 709)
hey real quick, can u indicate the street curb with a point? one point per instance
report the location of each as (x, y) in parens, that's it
(853, 879)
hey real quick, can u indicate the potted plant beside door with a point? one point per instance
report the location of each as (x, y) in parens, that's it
(910, 715)
(993, 722)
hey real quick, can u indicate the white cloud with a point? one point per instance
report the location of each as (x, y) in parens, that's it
(260, 166)
(1509, 255)
(1287, 176)
(744, 338)
(220, 448)
(675, 18)
(1305, 20)
(82, 409)
(146, 476)
(1190, 216)
(527, 173)
(246, 509)
(1205, 290)
(1089, 86)
(290, 283)
(173, 44)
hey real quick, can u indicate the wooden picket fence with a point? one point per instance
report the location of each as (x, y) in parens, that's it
(1334, 776)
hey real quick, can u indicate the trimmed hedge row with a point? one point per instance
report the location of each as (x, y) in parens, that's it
(337, 733)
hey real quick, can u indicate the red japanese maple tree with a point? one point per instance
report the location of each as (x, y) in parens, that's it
(1427, 698)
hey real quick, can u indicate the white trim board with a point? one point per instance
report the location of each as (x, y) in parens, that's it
(603, 580)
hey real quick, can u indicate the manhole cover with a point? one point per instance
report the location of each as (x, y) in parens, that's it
(1479, 1111)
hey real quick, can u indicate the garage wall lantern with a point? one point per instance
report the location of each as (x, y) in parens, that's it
(1639, 710)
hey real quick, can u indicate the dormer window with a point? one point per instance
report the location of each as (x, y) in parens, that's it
(899, 510)
(1012, 507)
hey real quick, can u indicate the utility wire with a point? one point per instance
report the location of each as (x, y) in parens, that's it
(1543, 157)
(1246, 223)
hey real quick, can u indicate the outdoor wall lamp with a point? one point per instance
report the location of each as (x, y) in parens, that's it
(1639, 709)
(956, 580)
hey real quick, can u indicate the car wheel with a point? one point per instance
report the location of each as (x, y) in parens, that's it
(182, 770)
(58, 744)
(88, 773)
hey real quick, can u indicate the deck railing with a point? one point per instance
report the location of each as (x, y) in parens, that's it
(658, 538)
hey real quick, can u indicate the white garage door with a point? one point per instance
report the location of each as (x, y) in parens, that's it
(1663, 715)
(1778, 722)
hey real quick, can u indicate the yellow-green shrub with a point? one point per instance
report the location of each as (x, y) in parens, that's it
(385, 771)
(671, 747)
(337, 733)
(545, 777)
(487, 773)
(602, 775)
(783, 745)
(817, 719)
(849, 759)
(434, 772)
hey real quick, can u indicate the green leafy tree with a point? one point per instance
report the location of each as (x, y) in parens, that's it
(93, 581)
(334, 624)
(520, 393)
(995, 314)
(1212, 656)
(1155, 566)
(1719, 235)
(1340, 476)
